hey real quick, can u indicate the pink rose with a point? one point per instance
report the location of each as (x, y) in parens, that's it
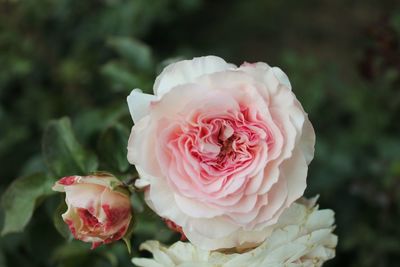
(221, 150)
(96, 213)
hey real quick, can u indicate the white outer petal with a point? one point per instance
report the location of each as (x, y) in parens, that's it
(139, 104)
(294, 171)
(186, 71)
(282, 77)
(307, 141)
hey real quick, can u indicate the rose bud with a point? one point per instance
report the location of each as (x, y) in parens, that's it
(99, 209)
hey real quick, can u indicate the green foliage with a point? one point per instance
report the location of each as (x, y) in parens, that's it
(59, 223)
(120, 75)
(135, 52)
(112, 146)
(62, 152)
(20, 199)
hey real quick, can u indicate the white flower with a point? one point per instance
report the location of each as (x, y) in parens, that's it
(302, 237)
(221, 150)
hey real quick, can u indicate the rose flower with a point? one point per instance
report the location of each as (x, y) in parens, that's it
(302, 238)
(96, 212)
(221, 150)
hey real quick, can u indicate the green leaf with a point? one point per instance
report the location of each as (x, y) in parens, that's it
(122, 78)
(59, 223)
(20, 199)
(91, 122)
(135, 52)
(112, 147)
(62, 153)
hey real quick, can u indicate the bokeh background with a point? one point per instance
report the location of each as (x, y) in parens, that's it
(78, 60)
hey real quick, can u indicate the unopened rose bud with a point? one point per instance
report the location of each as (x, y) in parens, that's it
(97, 211)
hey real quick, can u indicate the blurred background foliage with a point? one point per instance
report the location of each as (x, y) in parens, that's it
(67, 66)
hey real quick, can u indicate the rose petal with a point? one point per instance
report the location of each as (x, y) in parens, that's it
(186, 71)
(85, 196)
(139, 104)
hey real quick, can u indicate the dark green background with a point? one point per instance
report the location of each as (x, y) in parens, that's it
(80, 59)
